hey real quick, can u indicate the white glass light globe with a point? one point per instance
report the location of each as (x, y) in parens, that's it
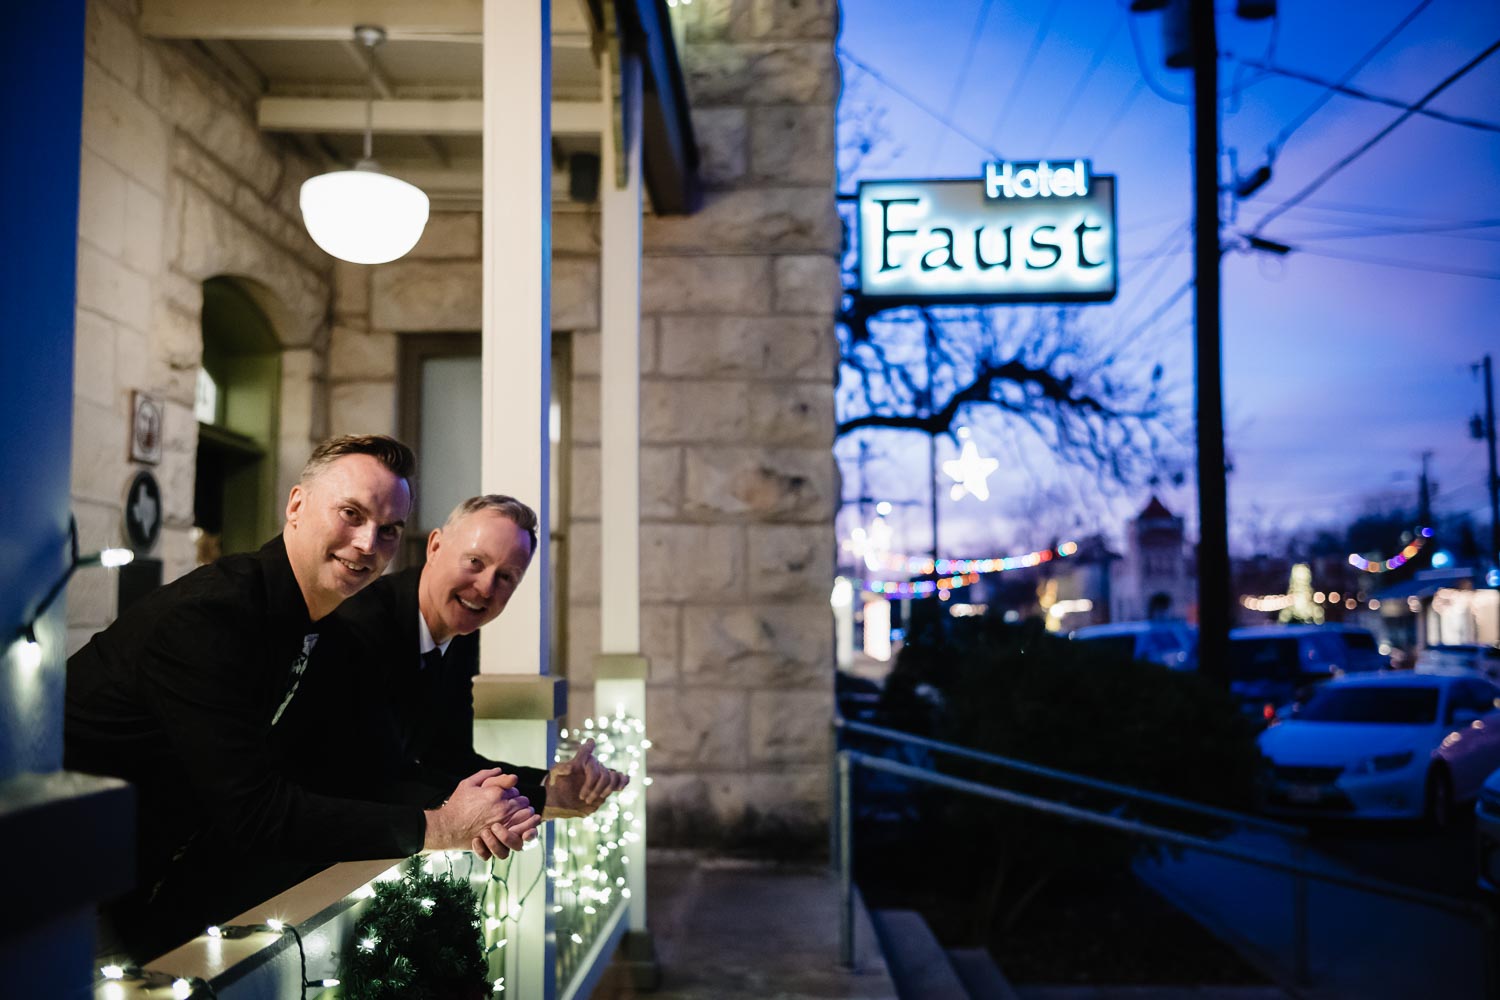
(362, 215)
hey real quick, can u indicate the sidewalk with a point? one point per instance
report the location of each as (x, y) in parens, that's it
(1359, 944)
(728, 929)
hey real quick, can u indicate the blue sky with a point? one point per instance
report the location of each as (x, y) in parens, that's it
(1337, 373)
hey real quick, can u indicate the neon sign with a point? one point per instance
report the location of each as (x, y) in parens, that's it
(1038, 231)
(1038, 179)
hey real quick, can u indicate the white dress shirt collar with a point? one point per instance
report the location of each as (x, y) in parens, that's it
(425, 641)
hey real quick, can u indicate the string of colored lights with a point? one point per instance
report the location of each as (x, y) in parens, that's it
(959, 572)
(1394, 562)
(915, 588)
(995, 564)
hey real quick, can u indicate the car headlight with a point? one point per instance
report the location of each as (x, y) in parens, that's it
(1383, 762)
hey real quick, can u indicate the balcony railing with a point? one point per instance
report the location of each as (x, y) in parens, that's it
(551, 916)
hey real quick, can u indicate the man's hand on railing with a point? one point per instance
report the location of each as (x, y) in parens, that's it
(579, 786)
(485, 813)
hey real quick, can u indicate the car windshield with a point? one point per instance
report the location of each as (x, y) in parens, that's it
(1263, 659)
(1396, 705)
(1116, 647)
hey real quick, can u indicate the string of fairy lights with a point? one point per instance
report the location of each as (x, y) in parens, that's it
(590, 859)
(588, 871)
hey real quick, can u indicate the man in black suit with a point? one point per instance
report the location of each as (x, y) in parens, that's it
(184, 694)
(424, 622)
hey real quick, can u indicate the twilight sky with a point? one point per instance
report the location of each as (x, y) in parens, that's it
(1337, 372)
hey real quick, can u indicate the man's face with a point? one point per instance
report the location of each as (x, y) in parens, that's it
(473, 567)
(342, 528)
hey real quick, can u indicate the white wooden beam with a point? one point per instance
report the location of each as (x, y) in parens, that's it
(300, 20)
(409, 116)
(456, 20)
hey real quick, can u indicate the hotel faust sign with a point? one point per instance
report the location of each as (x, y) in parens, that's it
(1040, 231)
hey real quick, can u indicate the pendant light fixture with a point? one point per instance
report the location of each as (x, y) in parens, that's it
(364, 215)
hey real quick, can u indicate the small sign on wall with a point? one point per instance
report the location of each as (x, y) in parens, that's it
(145, 428)
(143, 512)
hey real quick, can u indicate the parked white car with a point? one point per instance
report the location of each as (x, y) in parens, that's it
(1173, 644)
(1385, 746)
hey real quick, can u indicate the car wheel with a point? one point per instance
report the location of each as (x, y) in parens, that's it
(1439, 799)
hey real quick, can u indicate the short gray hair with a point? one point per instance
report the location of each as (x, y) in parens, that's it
(507, 507)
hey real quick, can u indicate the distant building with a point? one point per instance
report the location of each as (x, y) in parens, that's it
(1156, 577)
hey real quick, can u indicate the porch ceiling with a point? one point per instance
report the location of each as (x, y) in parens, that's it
(312, 80)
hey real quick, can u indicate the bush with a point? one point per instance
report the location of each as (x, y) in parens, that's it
(1020, 692)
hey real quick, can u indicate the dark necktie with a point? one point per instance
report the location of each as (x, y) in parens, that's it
(432, 661)
(299, 666)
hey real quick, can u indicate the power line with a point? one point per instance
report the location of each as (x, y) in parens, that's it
(1404, 265)
(1275, 145)
(1156, 314)
(1370, 143)
(1169, 240)
(1031, 54)
(1453, 229)
(1100, 51)
(963, 75)
(1351, 208)
(1116, 118)
(918, 103)
(1365, 95)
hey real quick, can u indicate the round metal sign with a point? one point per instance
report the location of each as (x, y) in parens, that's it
(143, 511)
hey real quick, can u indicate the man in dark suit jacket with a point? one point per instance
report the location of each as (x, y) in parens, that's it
(423, 625)
(184, 696)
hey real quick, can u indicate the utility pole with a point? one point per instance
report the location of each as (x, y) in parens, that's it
(929, 339)
(1424, 494)
(1213, 513)
(1487, 431)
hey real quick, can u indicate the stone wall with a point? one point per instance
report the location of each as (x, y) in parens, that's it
(177, 185)
(740, 487)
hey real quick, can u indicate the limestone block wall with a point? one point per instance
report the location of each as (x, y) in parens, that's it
(177, 185)
(737, 422)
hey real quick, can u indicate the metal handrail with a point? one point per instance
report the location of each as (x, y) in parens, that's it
(1124, 791)
(849, 759)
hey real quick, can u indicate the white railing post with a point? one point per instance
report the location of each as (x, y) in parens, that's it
(515, 719)
(620, 677)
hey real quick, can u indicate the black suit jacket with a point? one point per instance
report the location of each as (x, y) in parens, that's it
(432, 711)
(177, 697)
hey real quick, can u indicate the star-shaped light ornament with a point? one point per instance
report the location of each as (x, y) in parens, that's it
(970, 470)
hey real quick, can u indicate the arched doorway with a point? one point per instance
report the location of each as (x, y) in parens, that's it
(238, 401)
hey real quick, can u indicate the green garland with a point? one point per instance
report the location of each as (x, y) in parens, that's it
(418, 940)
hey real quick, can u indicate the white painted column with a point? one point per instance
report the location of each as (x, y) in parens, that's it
(621, 671)
(620, 372)
(517, 330)
(516, 703)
